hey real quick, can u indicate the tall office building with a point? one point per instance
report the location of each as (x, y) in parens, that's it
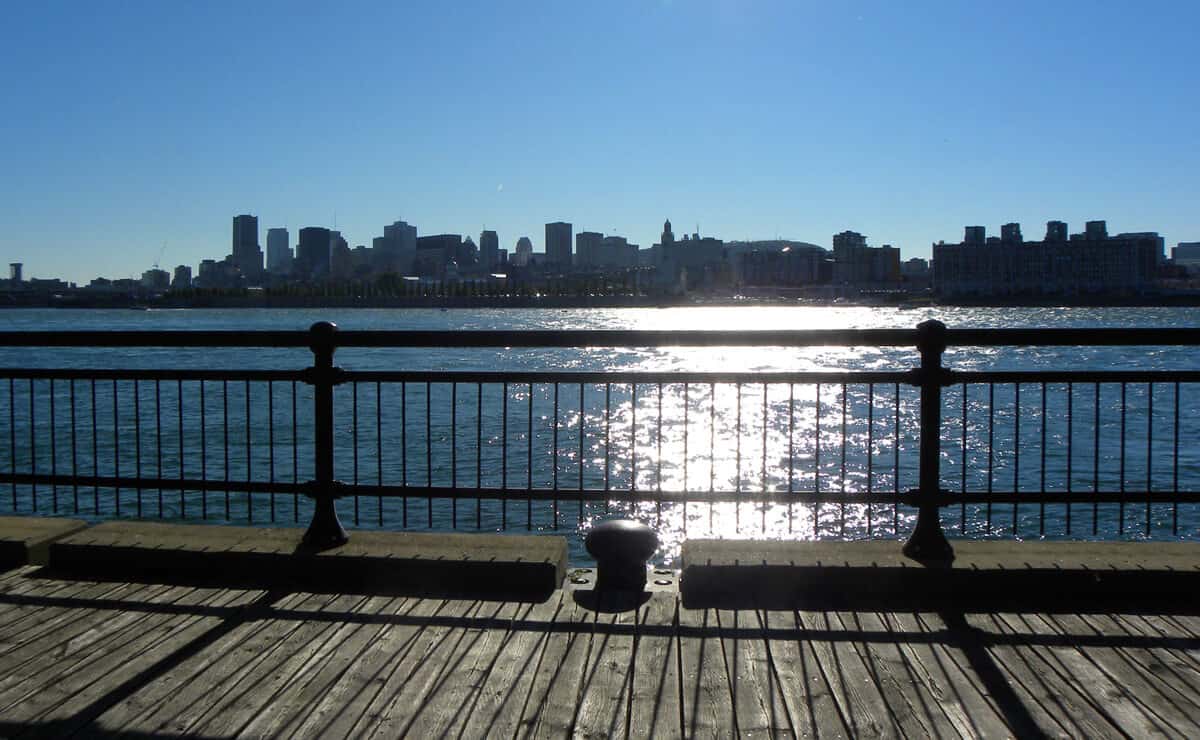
(312, 252)
(489, 250)
(279, 251)
(182, 279)
(587, 248)
(523, 252)
(396, 249)
(558, 244)
(247, 255)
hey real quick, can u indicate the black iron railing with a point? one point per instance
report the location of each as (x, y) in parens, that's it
(544, 449)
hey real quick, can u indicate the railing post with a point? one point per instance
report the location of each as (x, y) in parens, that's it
(928, 542)
(325, 530)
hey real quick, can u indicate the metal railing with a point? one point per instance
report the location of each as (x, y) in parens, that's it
(498, 449)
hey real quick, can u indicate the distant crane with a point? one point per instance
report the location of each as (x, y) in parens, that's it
(160, 256)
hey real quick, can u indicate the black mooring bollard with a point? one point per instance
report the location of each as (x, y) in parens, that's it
(621, 548)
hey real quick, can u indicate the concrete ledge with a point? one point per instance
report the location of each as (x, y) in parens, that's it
(992, 574)
(512, 566)
(25, 540)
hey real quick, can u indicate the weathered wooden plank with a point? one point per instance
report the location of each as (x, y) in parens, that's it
(1056, 699)
(608, 678)
(428, 667)
(1173, 666)
(707, 696)
(283, 699)
(655, 710)
(448, 700)
(810, 704)
(1116, 677)
(62, 612)
(49, 656)
(868, 702)
(496, 707)
(552, 707)
(755, 710)
(238, 648)
(115, 664)
(953, 683)
(383, 669)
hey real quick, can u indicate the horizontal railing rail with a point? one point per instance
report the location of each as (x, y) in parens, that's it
(546, 447)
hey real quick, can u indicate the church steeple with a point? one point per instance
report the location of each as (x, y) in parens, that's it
(668, 237)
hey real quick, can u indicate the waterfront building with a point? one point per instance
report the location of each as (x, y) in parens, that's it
(434, 253)
(791, 265)
(558, 244)
(856, 264)
(396, 250)
(156, 279)
(489, 250)
(312, 252)
(14, 272)
(587, 244)
(1091, 263)
(279, 251)
(687, 263)
(182, 278)
(1187, 256)
(247, 255)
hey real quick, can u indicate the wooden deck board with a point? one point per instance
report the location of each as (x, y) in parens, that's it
(88, 657)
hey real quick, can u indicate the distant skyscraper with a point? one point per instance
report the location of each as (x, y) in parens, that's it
(1095, 230)
(974, 235)
(397, 249)
(1011, 233)
(279, 251)
(587, 247)
(14, 271)
(523, 253)
(1056, 231)
(668, 236)
(312, 252)
(558, 244)
(182, 278)
(489, 250)
(247, 255)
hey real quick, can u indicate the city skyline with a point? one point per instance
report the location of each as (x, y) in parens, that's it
(752, 121)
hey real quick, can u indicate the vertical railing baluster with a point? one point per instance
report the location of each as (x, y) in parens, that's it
(529, 464)
(33, 443)
(404, 452)
(1042, 483)
(737, 486)
(74, 452)
(53, 453)
(1016, 451)
(158, 443)
(1149, 449)
(1096, 462)
(137, 442)
(428, 453)
(896, 462)
(454, 454)
(817, 464)
(633, 471)
(478, 453)
(764, 457)
(712, 446)
(842, 473)
(12, 434)
(554, 456)
(1070, 449)
(225, 439)
(870, 450)
(928, 541)
(607, 442)
(962, 464)
(271, 447)
(581, 435)
(791, 452)
(116, 451)
(249, 457)
(658, 461)
(325, 530)
(504, 459)
(1175, 465)
(1121, 481)
(295, 456)
(95, 452)
(991, 450)
(182, 470)
(379, 449)
(354, 445)
(684, 505)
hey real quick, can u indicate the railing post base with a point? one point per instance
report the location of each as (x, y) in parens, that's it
(928, 542)
(325, 531)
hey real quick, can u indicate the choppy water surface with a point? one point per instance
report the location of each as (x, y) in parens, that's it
(782, 438)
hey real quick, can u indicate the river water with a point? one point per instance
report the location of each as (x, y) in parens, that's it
(668, 437)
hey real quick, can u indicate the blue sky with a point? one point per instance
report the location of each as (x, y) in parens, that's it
(128, 125)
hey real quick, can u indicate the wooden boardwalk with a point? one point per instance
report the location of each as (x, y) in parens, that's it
(94, 658)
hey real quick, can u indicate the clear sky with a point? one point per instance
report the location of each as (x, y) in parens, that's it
(127, 125)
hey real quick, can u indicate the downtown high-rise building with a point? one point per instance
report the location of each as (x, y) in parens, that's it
(312, 252)
(247, 255)
(558, 244)
(279, 251)
(489, 250)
